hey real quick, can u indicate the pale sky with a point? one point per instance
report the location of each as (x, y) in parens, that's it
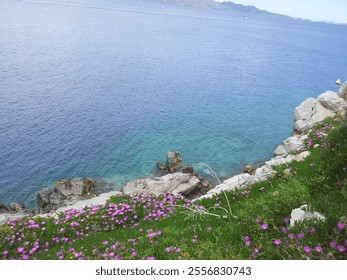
(318, 10)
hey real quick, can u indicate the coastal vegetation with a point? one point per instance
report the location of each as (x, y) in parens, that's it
(249, 223)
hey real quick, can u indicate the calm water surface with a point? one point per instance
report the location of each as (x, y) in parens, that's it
(105, 88)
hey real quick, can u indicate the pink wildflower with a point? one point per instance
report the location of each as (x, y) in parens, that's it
(318, 249)
(264, 226)
(341, 248)
(307, 249)
(277, 241)
(340, 226)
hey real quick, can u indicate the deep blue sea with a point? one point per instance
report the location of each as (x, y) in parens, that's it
(104, 89)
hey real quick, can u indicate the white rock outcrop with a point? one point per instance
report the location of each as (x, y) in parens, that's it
(291, 144)
(261, 174)
(333, 102)
(186, 184)
(308, 114)
(313, 111)
(300, 214)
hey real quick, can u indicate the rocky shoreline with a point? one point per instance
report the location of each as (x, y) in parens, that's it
(78, 193)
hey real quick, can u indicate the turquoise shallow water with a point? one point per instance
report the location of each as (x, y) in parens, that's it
(105, 88)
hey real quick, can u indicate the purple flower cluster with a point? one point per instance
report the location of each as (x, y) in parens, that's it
(28, 237)
(316, 136)
(248, 243)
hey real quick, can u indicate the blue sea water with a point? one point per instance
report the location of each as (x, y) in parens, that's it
(105, 88)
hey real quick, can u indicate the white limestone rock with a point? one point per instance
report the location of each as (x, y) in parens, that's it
(264, 173)
(305, 154)
(291, 144)
(299, 215)
(309, 113)
(303, 137)
(186, 184)
(300, 157)
(280, 151)
(304, 110)
(279, 160)
(333, 102)
(236, 182)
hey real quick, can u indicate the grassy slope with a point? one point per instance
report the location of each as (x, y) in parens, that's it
(163, 227)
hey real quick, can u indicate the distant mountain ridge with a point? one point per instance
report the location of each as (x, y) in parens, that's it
(243, 8)
(250, 9)
(246, 10)
(195, 3)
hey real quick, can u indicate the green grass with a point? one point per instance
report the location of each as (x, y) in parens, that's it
(165, 227)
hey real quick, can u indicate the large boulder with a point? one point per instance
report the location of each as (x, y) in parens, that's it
(313, 111)
(64, 191)
(186, 184)
(333, 102)
(309, 113)
(174, 161)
